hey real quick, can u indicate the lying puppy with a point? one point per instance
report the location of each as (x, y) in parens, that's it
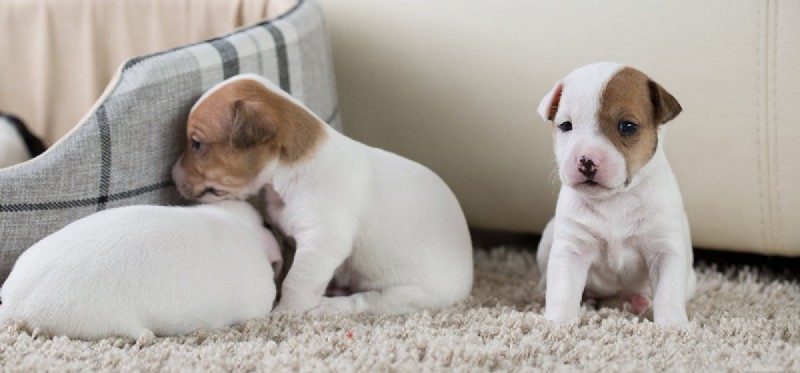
(17, 142)
(123, 271)
(619, 229)
(387, 229)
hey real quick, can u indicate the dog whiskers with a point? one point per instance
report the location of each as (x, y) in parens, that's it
(553, 177)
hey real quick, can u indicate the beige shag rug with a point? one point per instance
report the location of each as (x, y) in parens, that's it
(743, 320)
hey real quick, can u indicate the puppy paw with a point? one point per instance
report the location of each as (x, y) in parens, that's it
(639, 304)
(558, 317)
(333, 306)
(293, 307)
(678, 322)
(672, 319)
(146, 338)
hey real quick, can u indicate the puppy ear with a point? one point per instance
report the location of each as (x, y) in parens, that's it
(665, 106)
(250, 124)
(303, 131)
(549, 105)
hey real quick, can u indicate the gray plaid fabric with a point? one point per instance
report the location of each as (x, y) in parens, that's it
(122, 154)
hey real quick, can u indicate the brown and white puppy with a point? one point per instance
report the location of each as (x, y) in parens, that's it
(620, 230)
(384, 227)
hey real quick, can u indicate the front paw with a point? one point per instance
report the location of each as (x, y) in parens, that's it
(667, 313)
(675, 319)
(333, 306)
(558, 316)
(294, 306)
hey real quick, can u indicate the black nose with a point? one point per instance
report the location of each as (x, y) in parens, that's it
(587, 167)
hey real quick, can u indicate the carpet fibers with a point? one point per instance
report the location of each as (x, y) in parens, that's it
(743, 320)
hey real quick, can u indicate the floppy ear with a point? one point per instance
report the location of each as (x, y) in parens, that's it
(303, 130)
(250, 124)
(549, 105)
(665, 106)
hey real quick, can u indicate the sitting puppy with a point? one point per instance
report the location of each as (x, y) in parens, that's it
(619, 229)
(123, 271)
(385, 228)
(17, 142)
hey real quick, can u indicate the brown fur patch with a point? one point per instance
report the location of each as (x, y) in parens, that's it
(242, 126)
(666, 107)
(631, 96)
(551, 113)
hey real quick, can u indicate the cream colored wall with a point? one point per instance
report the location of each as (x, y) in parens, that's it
(58, 55)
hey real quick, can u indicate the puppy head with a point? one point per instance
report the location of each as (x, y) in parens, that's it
(237, 133)
(606, 121)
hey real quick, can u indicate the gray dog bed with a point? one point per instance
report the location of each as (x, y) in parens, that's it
(122, 152)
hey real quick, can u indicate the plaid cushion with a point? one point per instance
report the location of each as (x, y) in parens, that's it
(122, 153)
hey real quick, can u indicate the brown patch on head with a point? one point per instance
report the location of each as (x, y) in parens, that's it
(241, 127)
(630, 96)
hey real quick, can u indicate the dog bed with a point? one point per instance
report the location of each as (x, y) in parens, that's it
(122, 152)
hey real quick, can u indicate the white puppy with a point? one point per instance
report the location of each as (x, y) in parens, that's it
(17, 142)
(383, 227)
(170, 270)
(620, 230)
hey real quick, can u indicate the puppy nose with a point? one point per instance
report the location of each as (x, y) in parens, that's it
(587, 168)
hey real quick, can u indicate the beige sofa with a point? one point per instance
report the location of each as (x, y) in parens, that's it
(454, 84)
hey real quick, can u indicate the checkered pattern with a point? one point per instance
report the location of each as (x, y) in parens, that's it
(123, 152)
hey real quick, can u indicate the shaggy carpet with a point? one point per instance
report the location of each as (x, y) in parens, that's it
(743, 320)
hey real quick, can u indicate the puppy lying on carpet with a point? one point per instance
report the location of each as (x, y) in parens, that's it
(620, 230)
(17, 142)
(383, 227)
(123, 271)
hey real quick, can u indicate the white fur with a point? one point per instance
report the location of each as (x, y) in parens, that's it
(385, 227)
(170, 270)
(12, 147)
(389, 229)
(631, 238)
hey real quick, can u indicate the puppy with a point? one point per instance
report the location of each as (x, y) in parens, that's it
(383, 227)
(17, 142)
(170, 270)
(619, 230)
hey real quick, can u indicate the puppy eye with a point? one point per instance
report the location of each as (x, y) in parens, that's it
(565, 127)
(196, 145)
(627, 128)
